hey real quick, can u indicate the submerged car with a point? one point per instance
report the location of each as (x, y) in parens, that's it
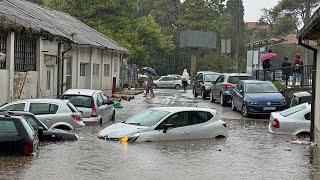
(44, 133)
(17, 136)
(300, 98)
(168, 123)
(293, 121)
(94, 105)
(54, 113)
(253, 97)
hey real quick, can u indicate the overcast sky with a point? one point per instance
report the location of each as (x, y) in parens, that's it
(253, 8)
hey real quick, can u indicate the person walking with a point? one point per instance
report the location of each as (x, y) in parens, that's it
(185, 79)
(297, 69)
(286, 64)
(266, 65)
(149, 87)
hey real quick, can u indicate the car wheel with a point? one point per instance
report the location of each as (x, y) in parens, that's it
(204, 97)
(212, 98)
(195, 93)
(233, 107)
(244, 111)
(222, 102)
(178, 87)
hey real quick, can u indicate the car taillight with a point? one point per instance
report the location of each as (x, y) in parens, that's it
(276, 123)
(76, 117)
(28, 148)
(225, 125)
(94, 110)
(228, 86)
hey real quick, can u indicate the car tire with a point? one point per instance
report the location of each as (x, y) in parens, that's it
(223, 103)
(233, 107)
(204, 97)
(212, 98)
(195, 93)
(244, 111)
(177, 87)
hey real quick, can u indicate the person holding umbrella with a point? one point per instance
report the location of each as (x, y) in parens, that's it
(267, 63)
(149, 87)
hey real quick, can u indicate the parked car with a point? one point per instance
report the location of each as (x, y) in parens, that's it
(94, 105)
(168, 82)
(17, 137)
(54, 113)
(293, 121)
(44, 133)
(300, 98)
(253, 97)
(168, 123)
(203, 82)
(220, 89)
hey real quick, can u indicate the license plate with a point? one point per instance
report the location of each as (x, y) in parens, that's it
(269, 108)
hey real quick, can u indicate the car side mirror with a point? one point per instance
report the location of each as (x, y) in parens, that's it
(167, 127)
(40, 130)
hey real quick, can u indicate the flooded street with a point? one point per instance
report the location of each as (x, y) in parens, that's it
(250, 152)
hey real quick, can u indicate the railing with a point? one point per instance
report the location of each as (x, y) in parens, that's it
(291, 76)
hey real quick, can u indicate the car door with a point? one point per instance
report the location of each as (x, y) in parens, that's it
(46, 113)
(200, 125)
(238, 95)
(180, 130)
(218, 86)
(199, 82)
(161, 82)
(172, 82)
(106, 109)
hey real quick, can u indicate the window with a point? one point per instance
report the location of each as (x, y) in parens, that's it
(177, 120)
(15, 107)
(239, 86)
(115, 64)
(198, 117)
(236, 79)
(106, 69)
(147, 118)
(221, 79)
(99, 100)
(31, 121)
(43, 108)
(3, 45)
(165, 79)
(293, 110)
(82, 69)
(8, 128)
(211, 77)
(172, 78)
(96, 69)
(79, 100)
(307, 116)
(48, 79)
(261, 88)
(25, 53)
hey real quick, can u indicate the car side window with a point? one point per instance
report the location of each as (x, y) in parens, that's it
(31, 121)
(165, 79)
(307, 116)
(241, 87)
(180, 119)
(43, 108)
(172, 78)
(238, 86)
(8, 128)
(221, 79)
(99, 100)
(15, 107)
(198, 117)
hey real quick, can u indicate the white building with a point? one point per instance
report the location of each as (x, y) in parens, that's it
(47, 52)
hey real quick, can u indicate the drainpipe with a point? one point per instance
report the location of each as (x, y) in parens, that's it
(58, 74)
(313, 96)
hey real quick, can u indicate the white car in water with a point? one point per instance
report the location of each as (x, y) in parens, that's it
(168, 123)
(293, 121)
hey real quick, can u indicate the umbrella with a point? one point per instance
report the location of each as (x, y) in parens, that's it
(150, 70)
(267, 56)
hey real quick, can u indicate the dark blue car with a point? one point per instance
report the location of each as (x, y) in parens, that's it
(253, 97)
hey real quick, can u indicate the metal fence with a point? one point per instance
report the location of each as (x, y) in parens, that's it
(291, 76)
(25, 53)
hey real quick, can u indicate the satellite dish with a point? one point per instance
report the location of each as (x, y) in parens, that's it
(2, 58)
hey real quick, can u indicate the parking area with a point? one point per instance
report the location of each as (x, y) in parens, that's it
(250, 152)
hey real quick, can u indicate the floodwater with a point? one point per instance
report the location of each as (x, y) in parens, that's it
(250, 152)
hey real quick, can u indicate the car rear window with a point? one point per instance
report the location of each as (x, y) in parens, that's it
(293, 110)
(8, 128)
(236, 79)
(79, 100)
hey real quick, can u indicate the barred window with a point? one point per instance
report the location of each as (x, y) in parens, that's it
(3, 45)
(24, 53)
(96, 69)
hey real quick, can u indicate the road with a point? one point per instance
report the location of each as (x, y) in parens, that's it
(250, 152)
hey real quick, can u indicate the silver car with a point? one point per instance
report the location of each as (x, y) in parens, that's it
(293, 121)
(54, 113)
(93, 104)
(168, 82)
(168, 123)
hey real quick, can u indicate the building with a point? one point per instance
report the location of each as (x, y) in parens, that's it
(45, 52)
(311, 32)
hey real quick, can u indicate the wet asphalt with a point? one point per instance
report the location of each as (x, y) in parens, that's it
(250, 152)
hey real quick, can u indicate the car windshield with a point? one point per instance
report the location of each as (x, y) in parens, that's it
(293, 110)
(261, 88)
(236, 79)
(211, 77)
(147, 118)
(79, 100)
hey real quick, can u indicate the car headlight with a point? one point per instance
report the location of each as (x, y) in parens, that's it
(252, 102)
(207, 87)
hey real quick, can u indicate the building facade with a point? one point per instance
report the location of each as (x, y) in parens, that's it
(44, 52)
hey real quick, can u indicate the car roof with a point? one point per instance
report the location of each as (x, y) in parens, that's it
(302, 94)
(21, 113)
(179, 109)
(207, 72)
(255, 82)
(236, 74)
(85, 92)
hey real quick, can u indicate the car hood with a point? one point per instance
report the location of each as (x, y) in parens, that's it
(121, 129)
(265, 97)
(64, 135)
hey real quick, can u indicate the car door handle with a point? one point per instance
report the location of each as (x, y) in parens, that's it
(185, 133)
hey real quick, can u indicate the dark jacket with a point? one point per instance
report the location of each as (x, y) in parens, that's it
(285, 64)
